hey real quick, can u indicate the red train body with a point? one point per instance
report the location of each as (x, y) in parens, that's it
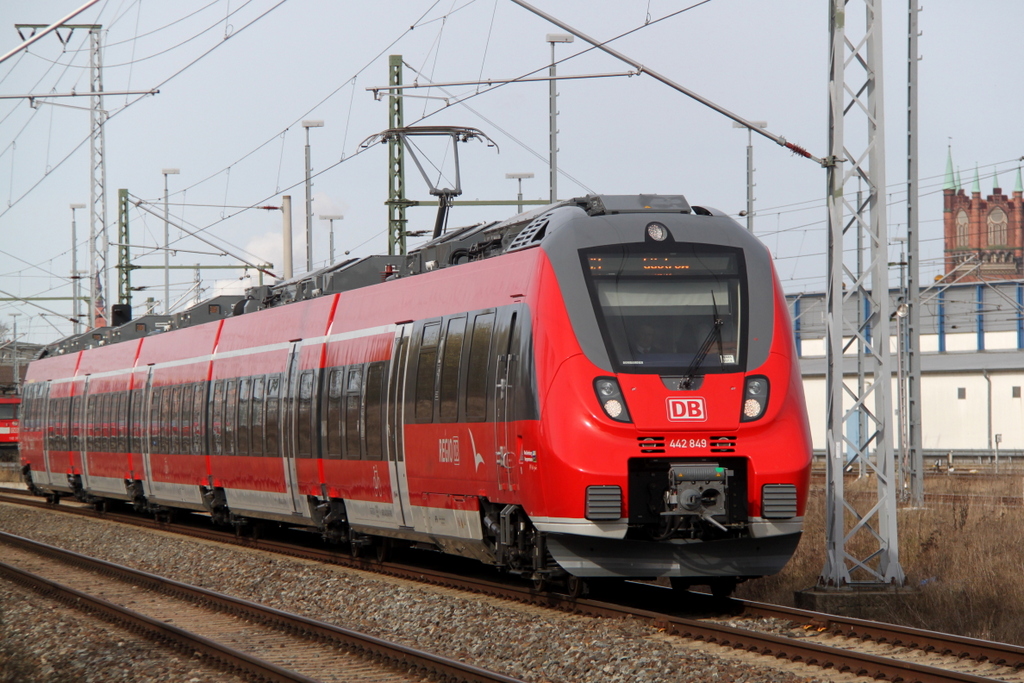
(9, 431)
(606, 387)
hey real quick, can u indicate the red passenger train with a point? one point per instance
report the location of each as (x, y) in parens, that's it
(9, 421)
(604, 387)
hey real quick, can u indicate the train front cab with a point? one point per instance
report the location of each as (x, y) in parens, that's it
(677, 411)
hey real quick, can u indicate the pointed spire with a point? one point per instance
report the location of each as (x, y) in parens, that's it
(1019, 187)
(950, 183)
(959, 185)
(995, 180)
(976, 185)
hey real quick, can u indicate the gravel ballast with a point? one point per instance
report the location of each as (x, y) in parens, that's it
(530, 643)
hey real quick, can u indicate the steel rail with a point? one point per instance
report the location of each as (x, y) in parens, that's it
(772, 645)
(153, 628)
(1003, 654)
(365, 644)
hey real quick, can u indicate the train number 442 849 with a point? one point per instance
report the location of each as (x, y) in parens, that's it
(688, 443)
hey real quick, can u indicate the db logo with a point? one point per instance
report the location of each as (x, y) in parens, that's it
(680, 409)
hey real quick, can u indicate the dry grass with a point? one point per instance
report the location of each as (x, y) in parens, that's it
(963, 558)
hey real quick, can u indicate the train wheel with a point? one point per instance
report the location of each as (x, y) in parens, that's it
(575, 586)
(540, 583)
(384, 548)
(721, 589)
(355, 547)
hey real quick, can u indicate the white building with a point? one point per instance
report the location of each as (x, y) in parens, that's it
(972, 366)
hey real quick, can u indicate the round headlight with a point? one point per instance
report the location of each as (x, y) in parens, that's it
(657, 232)
(613, 407)
(751, 407)
(755, 387)
(606, 387)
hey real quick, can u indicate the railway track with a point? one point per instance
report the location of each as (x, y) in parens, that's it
(256, 640)
(873, 649)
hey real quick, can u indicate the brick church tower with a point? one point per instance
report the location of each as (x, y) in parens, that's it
(984, 238)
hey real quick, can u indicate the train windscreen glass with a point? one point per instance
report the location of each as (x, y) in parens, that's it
(658, 309)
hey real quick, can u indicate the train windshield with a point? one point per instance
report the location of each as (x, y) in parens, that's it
(658, 308)
(8, 411)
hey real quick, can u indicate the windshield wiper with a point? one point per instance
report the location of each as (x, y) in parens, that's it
(702, 352)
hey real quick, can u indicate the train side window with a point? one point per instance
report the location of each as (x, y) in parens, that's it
(258, 385)
(185, 420)
(426, 373)
(230, 415)
(71, 423)
(122, 421)
(273, 414)
(56, 421)
(51, 422)
(92, 428)
(374, 404)
(198, 403)
(52, 418)
(173, 419)
(335, 385)
(154, 421)
(102, 423)
(111, 423)
(177, 420)
(182, 395)
(305, 414)
(353, 408)
(69, 420)
(138, 416)
(244, 388)
(217, 418)
(103, 414)
(476, 375)
(450, 369)
(168, 418)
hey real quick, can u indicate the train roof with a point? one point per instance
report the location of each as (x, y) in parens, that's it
(453, 248)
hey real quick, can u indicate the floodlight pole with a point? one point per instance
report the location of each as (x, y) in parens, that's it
(75, 283)
(913, 273)
(309, 197)
(14, 338)
(519, 177)
(333, 218)
(553, 116)
(167, 243)
(750, 170)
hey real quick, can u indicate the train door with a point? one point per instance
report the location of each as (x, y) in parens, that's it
(289, 442)
(506, 452)
(51, 418)
(146, 428)
(396, 426)
(87, 406)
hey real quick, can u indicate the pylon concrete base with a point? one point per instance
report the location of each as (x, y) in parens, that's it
(878, 603)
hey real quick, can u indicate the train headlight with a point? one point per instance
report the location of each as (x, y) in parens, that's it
(610, 397)
(657, 232)
(755, 398)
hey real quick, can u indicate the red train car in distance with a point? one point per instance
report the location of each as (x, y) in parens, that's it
(604, 387)
(9, 421)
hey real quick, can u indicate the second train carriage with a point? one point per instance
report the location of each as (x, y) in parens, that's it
(605, 387)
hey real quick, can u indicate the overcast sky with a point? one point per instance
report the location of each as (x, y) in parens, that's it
(237, 78)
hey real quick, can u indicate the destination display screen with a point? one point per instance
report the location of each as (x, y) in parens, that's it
(658, 309)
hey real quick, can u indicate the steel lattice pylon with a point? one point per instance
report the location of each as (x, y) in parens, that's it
(862, 546)
(98, 173)
(397, 202)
